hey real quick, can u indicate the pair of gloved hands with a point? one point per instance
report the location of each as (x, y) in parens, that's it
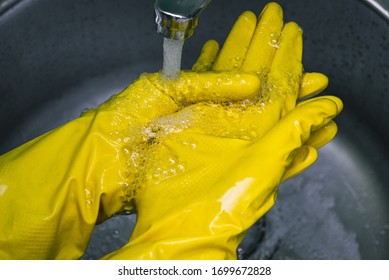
(199, 158)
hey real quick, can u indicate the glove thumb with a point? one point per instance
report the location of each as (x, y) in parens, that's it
(193, 87)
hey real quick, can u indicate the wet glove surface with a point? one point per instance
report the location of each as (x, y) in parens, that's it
(56, 187)
(199, 168)
(212, 169)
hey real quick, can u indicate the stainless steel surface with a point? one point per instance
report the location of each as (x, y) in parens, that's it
(59, 57)
(381, 6)
(177, 19)
(6, 4)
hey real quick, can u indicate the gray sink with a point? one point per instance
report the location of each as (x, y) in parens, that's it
(59, 57)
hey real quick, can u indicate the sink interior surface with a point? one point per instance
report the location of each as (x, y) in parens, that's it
(85, 51)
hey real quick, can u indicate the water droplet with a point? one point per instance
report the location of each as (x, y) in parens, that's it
(274, 40)
(116, 234)
(180, 167)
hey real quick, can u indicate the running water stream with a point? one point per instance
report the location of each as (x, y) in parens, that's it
(172, 51)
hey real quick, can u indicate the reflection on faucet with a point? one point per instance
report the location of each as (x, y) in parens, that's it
(177, 19)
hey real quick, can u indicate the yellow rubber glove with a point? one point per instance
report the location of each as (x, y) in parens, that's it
(55, 188)
(212, 169)
(251, 46)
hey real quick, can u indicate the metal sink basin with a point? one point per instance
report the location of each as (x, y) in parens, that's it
(59, 57)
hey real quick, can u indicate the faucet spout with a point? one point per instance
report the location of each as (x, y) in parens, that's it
(177, 19)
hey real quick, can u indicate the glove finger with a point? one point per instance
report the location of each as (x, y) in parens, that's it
(207, 56)
(274, 153)
(237, 43)
(303, 158)
(312, 84)
(295, 128)
(193, 87)
(307, 155)
(264, 43)
(286, 70)
(335, 99)
(322, 136)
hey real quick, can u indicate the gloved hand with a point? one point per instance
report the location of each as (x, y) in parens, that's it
(251, 46)
(55, 188)
(207, 173)
(81, 169)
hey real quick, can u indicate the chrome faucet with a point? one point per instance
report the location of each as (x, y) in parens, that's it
(177, 19)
